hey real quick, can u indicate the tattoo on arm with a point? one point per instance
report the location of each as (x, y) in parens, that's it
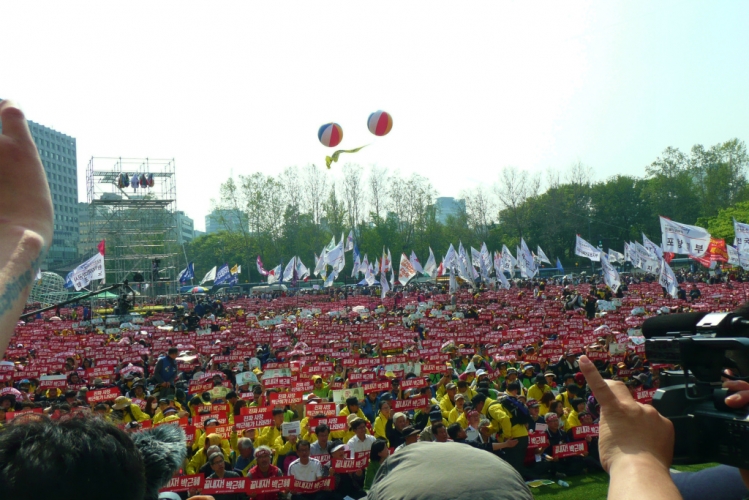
(14, 289)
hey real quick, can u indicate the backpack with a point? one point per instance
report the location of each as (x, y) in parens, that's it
(518, 411)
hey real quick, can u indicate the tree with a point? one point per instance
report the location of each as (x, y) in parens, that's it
(315, 185)
(378, 193)
(480, 210)
(514, 188)
(353, 194)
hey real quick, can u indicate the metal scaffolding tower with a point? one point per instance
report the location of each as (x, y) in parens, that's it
(138, 223)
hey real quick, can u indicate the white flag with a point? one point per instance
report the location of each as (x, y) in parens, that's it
(627, 252)
(288, 272)
(384, 284)
(585, 249)
(525, 257)
(356, 266)
(668, 279)
(450, 260)
(615, 256)
(334, 254)
(508, 261)
(92, 269)
(209, 276)
(415, 263)
(500, 274)
(301, 270)
(406, 270)
(610, 275)
(683, 238)
(275, 274)
(541, 255)
(733, 255)
(650, 245)
(350, 241)
(329, 280)
(431, 265)
(320, 263)
(453, 281)
(741, 239)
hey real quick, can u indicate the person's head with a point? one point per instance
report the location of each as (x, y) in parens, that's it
(216, 460)
(302, 450)
(74, 457)
(232, 397)
(547, 398)
(557, 407)
(540, 381)
(439, 431)
(359, 426)
(263, 455)
(400, 421)
(245, 447)
(456, 431)
(513, 388)
(411, 435)
(385, 408)
(512, 373)
(173, 352)
(573, 390)
(578, 404)
(339, 451)
(451, 389)
(552, 420)
(379, 451)
(278, 416)
(533, 408)
(460, 401)
(478, 402)
(322, 431)
(550, 377)
(585, 418)
(352, 404)
(485, 428)
(101, 409)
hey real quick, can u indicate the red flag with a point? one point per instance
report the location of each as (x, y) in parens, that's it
(102, 247)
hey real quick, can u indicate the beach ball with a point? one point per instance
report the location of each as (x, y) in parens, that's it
(330, 135)
(380, 123)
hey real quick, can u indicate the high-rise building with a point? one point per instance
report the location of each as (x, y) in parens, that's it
(185, 228)
(225, 220)
(449, 206)
(58, 153)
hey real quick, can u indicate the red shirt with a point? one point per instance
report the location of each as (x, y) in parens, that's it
(256, 473)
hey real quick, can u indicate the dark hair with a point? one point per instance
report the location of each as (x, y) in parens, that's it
(478, 398)
(462, 384)
(453, 430)
(353, 400)
(356, 423)
(577, 401)
(376, 449)
(231, 394)
(382, 402)
(437, 426)
(172, 350)
(278, 411)
(322, 428)
(302, 442)
(540, 378)
(484, 384)
(547, 398)
(74, 456)
(573, 389)
(513, 386)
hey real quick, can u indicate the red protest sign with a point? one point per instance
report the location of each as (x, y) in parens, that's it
(326, 484)
(335, 423)
(538, 439)
(326, 409)
(427, 368)
(185, 483)
(286, 398)
(302, 386)
(645, 396)
(12, 414)
(269, 485)
(362, 377)
(277, 382)
(570, 449)
(349, 464)
(598, 355)
(101, 395)
(583, 431)
(140, 402)
(221, 416)
(197, 387)
(223, 486)
(50, 381)
(377, 387)
(408, 404)
(414, 383)
(182, 422)
(222, 430)
(251, 410)
(254, 421)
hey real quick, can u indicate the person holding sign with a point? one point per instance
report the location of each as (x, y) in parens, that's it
(218, 466)
(264, 470)
(305, 468)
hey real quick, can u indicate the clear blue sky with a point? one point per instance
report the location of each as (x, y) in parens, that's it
(472, 86)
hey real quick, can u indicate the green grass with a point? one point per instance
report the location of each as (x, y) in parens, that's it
(591, 486)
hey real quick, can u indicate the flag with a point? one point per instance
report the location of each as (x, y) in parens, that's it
(559, 266)
(260, 268)
(368, 275)
(650, 245)
(329, 280)
(319, 263)
(378, 267)
(223, 275)
(302, 272)
(449, 260)
(644, 259)
(627, 252)
(610, 275)
(334, 254)
(503, 279)
(330, 245)
(716, 252)
(525, 258)
(288, 272)
(667, 279)
(364, 268)
(508, 261)
(414, 260)
(431, 265)
(389, 261)
(741, 239)
(187, 273)
(475, 257)
(355, 268)
(211, 275)
(350, 241)
(235, 269)
(441, 269)
(585, 249)
(274, 274)
(406, 271)
(81, 276)
(453, 281)
(384, 285)
(615, 256)
(486, 259)
(683, 238)
(541, 255)
(733, 255)
(339, 264)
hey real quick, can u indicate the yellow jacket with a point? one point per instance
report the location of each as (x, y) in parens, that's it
(199, 459)
(535, 393)
(139, 415)
(454, 415)
(345, 413)
(446, 406)
(379, 427)
(573, 420)
(565, 399)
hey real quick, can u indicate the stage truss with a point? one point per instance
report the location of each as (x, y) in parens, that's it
(139, 224)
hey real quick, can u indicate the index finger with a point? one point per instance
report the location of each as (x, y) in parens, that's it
(604, 393)
(14, 122)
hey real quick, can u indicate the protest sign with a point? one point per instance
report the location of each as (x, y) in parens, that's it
(334, 423)
(102, 395)
(583, 431)
(325, 409)
(340, 396)
(269, 485)
(344, 465)
(304, 487)
(224, 486)
(254, 421)
(185, 483)
(291, 429)
(50, 381)
(575, 448)
(538, 439)
(408, 404)
(286, 398)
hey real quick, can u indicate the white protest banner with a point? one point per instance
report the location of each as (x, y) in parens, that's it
(683, 238)
(49, 381)
(291, 429)
(81, 276)
(585, 249)
(668, 279)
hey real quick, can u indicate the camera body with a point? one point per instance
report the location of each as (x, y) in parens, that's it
(706, 430)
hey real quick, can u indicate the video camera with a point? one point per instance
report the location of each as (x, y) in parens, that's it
(704, 345)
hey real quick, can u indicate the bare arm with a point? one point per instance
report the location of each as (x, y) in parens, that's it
(635, 442)
(25, 217)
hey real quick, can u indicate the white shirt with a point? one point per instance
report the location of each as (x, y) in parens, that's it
(310, 472)
(358, 446)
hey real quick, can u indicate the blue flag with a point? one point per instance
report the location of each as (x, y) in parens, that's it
(223, 275)
(559, 266)
(187, 273)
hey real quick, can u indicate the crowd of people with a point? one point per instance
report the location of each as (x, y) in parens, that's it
(326, 389)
